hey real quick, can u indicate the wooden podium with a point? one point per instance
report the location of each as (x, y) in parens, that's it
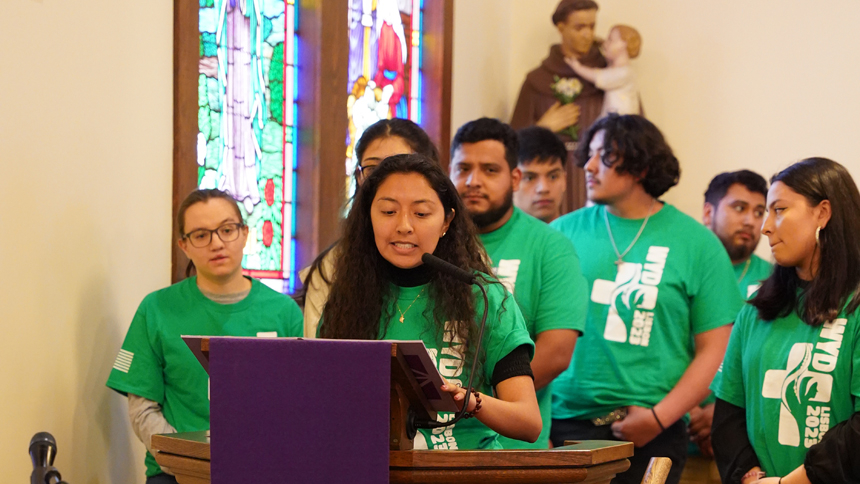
(187, 456)
(274, 420)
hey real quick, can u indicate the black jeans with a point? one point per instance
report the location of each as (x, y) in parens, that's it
(671, 443)
(161, 479)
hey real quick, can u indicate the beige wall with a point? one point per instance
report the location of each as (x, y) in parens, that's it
(735, 84)
(85, 147)
(85, 133)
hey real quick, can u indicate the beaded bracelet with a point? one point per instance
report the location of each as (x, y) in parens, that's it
(477, 406)
(662, 428)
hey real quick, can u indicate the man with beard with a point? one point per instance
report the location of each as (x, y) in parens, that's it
(734, 211)
(536, 263)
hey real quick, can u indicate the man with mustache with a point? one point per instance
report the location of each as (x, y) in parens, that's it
(536, 263)
(661, 303)
(734, 211)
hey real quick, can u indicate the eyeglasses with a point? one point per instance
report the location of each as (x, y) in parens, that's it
(365, 171)
(203, 237)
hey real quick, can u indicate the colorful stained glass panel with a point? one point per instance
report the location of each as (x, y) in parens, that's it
(246, 118)
(384, 71)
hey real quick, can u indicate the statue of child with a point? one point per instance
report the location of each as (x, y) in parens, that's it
(618, 79)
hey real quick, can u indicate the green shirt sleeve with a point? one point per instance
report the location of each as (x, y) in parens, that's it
(505, 330)
(563, 289)
(715, 299)
(728, 385)
(139, 366)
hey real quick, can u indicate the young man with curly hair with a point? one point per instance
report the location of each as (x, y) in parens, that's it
(662, 299)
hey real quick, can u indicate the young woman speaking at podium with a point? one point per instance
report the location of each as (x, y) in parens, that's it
(408, 207)
(168, 390)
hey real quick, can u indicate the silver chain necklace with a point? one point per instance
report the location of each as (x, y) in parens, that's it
(612, 239)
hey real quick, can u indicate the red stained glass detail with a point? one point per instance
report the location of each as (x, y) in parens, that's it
(270, 192)
(268, 233)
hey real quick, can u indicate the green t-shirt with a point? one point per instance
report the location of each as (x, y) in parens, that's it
(156, 364)
(504, 332)
(676, 282)
(540, 266)
(794, 380)
(750, 278)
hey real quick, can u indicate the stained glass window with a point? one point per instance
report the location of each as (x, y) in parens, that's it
(384, 77)
(246, 144)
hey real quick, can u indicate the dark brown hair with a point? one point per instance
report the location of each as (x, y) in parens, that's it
(641, 148)
(404, 129)
(362, 288)
(566, 7)
(837, 281)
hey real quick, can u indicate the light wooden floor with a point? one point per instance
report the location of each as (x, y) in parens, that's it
(700, 470)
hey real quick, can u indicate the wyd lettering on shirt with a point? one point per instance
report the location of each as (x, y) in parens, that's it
(636, 286)
(450, 365)
(807, 372)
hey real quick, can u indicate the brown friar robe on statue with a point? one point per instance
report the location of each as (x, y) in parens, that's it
(536, 98)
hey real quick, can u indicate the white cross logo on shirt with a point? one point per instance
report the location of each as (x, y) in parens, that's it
(626, 285)
(791, 386)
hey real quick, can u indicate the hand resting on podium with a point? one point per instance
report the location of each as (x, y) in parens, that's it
(515, 414)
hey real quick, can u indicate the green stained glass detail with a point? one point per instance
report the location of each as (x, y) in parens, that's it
(276, 83)
(209, 47)
(203, 121)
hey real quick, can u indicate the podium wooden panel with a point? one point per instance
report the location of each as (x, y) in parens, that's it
(187, 456)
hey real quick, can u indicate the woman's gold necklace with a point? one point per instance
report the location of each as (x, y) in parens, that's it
(403, 313)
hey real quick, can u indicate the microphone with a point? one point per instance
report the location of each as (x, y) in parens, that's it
(467, 277)
(43, 450)
(446, 267)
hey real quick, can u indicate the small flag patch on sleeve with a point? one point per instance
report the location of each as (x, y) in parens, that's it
(123, 361)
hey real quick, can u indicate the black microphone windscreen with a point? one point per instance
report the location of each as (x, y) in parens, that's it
(440, 265)
(43, 449)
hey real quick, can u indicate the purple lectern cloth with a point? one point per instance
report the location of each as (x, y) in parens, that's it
(303, 411)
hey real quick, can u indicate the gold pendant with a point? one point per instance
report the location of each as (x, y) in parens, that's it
(401, 318)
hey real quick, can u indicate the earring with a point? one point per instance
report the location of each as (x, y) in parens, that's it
(817, 232)
(443, 233)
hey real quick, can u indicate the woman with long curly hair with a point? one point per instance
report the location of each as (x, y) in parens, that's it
(788, 393)
(408, 207)
(382, 139)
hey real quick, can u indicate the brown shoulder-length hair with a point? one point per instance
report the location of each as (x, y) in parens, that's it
(837, 281)
(361, 290)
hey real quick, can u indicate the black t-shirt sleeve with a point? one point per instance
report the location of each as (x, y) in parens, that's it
(515, 363)
(834, 459)
(733, 451)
